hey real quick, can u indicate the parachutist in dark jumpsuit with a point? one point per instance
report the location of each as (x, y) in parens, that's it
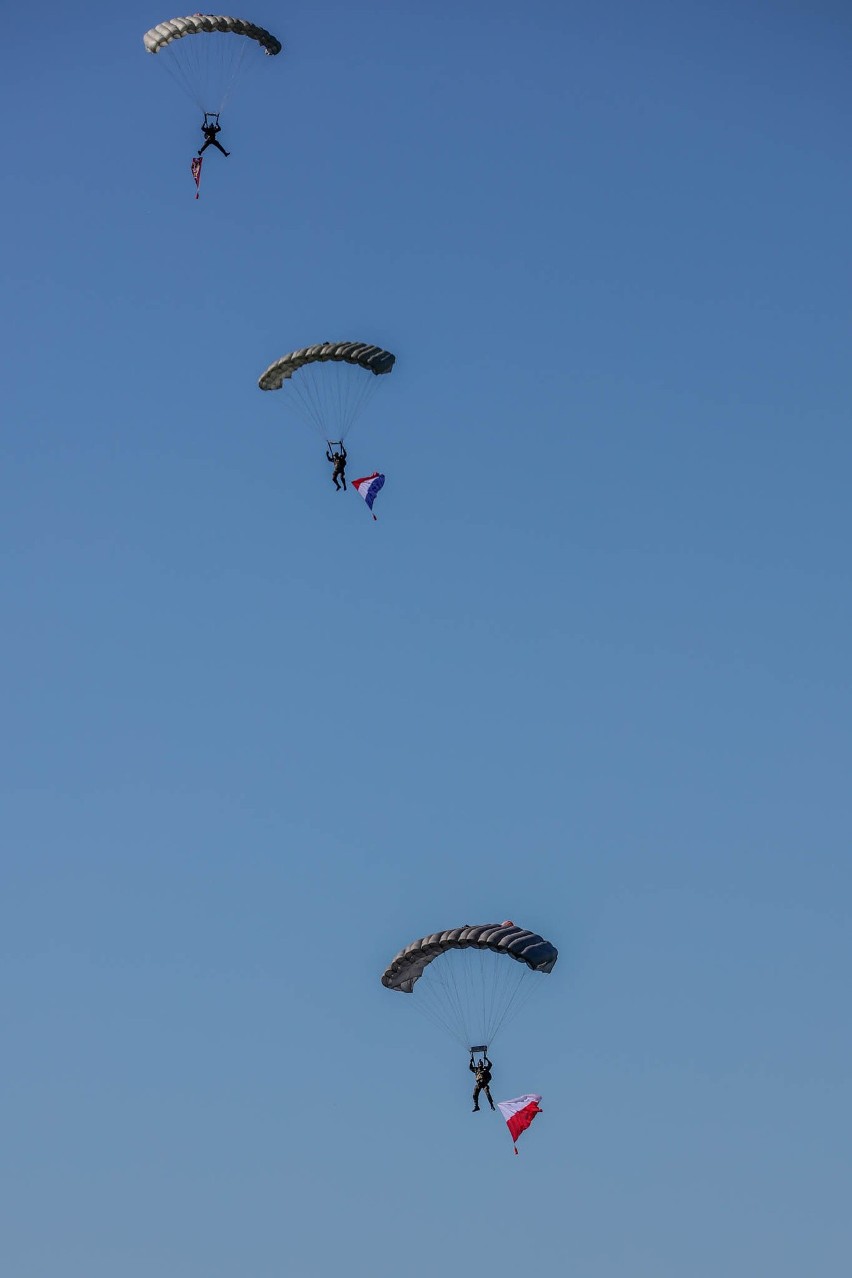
(482, 1072)
(210, 130)
(338, 461)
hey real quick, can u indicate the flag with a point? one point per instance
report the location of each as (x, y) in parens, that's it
(518, 1114)
(368, 487)
(195, 166)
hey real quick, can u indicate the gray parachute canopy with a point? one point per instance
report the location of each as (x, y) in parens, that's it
(501, 938)
(371, 358)
(327, 385)
(199, 23)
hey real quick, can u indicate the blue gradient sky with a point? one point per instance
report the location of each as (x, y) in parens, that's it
(590, 669)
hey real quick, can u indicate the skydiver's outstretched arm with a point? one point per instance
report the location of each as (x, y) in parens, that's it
(329, 456)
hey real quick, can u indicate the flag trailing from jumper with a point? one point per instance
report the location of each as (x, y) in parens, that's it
(518, 1114)
(195, 165)
(368, 487)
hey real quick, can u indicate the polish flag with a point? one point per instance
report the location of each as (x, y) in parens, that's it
(518, 1114)
(368, 487)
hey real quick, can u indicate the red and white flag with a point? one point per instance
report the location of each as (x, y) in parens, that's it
(195, 165)
(518, 1114)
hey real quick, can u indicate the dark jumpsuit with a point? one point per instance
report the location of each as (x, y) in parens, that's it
(210, 139)
(482, 1073)
(338, 460)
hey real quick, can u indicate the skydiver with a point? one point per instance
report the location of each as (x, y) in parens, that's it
(481, 1070)
(210, 130)
(338, 461)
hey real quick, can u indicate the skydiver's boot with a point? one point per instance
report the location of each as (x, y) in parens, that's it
(475, 1109)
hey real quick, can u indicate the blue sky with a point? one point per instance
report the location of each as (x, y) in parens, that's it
(589, 670)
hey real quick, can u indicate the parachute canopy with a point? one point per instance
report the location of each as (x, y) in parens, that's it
(207, 54)
(328, 385)
(200, 23)
(502, 938)
(472, 979)
(372, 358)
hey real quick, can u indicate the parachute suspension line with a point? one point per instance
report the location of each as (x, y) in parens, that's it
(471, 993)
(460, 973)
(489, 983)
(475, 992)
(304, 397)
(207, 66)
(429, 1009)
(470, 1000)
(369, 386)
(329, 396)
(196, 55)
(180, 74)
(489, 993)
(339, 404)
(483, 984)
(445, 994)
(231, 76)
(434, 999)
(353, 395)
(523, 988)
(313, 391)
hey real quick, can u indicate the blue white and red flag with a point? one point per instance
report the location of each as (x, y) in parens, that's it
(369, 487)
(518, 1114)
(195, 165)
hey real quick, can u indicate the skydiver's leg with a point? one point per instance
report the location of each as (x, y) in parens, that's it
(343, 478)
(488, 1094)
(204, 148)
(334, 481)
(218, 144)
(476, 1092)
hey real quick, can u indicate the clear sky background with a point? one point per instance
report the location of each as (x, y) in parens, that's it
(589, 670)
